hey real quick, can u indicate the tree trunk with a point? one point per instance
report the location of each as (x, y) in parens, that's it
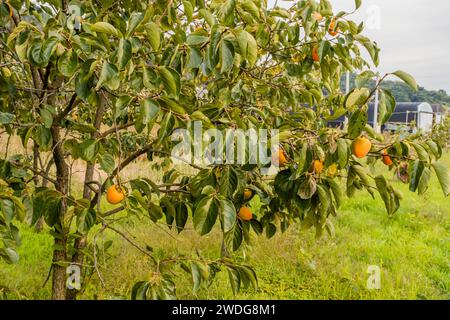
(40, 223)
(59, 252)
(81, 242)
(59, 272)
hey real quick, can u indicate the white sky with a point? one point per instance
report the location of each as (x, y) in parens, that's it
(414, 36)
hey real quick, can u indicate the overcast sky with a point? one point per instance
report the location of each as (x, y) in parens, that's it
(414, 36)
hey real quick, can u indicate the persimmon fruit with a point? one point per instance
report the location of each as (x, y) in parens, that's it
(386, 158)
(315, 54)
(245, 214)
(115, 194)
(361, 147)
(282, 161)
(331, 29)
(247, 194)
(318, 166)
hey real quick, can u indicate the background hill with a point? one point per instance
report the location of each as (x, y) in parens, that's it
(403, 93)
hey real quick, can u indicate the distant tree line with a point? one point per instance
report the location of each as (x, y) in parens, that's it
(403, 93)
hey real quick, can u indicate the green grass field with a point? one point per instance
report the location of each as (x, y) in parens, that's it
(411, 248)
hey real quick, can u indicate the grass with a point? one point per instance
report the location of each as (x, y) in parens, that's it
(411, 248)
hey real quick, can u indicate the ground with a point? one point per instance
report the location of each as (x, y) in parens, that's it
(411, 248)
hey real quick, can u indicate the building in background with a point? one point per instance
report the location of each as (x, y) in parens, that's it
(410, 116)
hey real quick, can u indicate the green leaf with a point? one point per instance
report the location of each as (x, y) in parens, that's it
(134, 22)
(166, 126)
(416, 174)
(302, 165)
(226, 55)
(196, 276)
(121, 106)
(324, 199)
(441, 171)
(139, 290)
(205, 215)
(155, 212)
(86, 220)
(363, 175)
(357, 4)
(39, 202)
(386, 106)
(171, 80)
(52, 210)
(196, 39)
(382, 187)
(182, 214)
(343, 154)
(235, 279)
(171, 105)
(7, 208)
(10, 254)
(424, 181)
(370, 47)
(109, 77)
(123, 53)
(47, 117)
(153, 35)
(234, 237)
(6, 118)
(226, 11)
(89, 149)
(434, 148)
(208, 16)
(149, 110)
(357, 97)
(195, 58)
(248, 276)
(105, 27)
(280, 12)
(271, 229)
(363, 78)
(83, 80)
(337, 191)
(229, 181)
(107, 163)
(324, 48)
(357, 123)
(421, 152)
(188, 10)
(388, 194)
(44, 138)
(248, 46)
(68, 63)
(407, 78)
(228, 212)
(250, 7)
(39, 52)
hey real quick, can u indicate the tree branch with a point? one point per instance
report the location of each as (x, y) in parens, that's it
(66, 111)
(130, 159)
(131, 242)
(37, 172)
(113, 129)
(113, 211)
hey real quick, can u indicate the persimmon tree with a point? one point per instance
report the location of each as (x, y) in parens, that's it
(106, 82)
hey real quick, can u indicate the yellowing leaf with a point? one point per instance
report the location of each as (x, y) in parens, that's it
(407, 78)
(105, 27)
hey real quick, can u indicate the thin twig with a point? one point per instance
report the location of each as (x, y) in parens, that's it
(131, 242)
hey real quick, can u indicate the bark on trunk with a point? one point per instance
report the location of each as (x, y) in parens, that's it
(81, 242)
(40, 223)
(59, 253)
